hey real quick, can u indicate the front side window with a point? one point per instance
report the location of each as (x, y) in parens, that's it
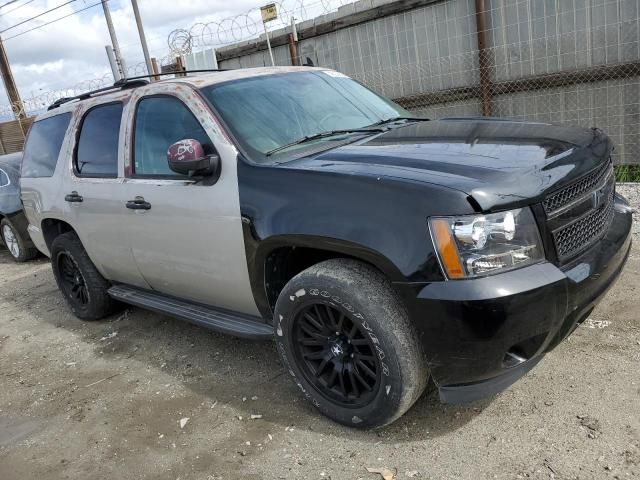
(97, 153)
(160, 122)
(43, 146)
(269, 111)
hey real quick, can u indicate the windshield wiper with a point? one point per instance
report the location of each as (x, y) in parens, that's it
(397, 119)
(316, 136)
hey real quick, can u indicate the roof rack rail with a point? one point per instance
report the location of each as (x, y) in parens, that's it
(120, 85)
(123, 84)
(176, 73)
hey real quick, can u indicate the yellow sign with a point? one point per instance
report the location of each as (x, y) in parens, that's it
(269, 12)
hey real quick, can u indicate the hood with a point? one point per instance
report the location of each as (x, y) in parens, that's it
(500, 163)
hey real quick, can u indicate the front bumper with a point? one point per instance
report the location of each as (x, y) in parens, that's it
(481, 335)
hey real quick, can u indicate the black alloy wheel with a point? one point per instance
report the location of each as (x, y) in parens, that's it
(345, 336)
(336, 356)
(84, 288)
(72, 280)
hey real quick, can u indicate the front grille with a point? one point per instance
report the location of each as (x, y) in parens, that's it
(580, 213)
(579, 235)
(558, 200)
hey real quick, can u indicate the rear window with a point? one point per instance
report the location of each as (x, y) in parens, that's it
(43, 146)
(97, 154)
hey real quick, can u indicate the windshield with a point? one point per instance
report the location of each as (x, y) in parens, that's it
(270, 111)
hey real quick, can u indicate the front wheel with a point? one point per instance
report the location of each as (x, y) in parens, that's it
(347, 340)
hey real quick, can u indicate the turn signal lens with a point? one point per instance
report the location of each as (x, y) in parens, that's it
(446, 246)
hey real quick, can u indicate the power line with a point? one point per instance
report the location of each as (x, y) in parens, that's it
(7, 3)
(18, 7)
(36, 16)
(53, 21)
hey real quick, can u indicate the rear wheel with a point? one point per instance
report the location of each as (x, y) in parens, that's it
(15, 243)
(78, 279)
(346, 338)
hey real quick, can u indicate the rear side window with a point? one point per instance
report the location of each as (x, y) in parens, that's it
(4, 178)
(43, 146)
(97, 152)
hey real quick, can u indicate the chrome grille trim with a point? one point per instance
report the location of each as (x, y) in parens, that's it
(570, 195)
(580, 234)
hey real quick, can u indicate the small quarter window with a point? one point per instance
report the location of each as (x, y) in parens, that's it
(43, 146)
(160, 122)
(97, 153)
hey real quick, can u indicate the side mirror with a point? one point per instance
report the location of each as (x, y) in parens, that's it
(187, 157)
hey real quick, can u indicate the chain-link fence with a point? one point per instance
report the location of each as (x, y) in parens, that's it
(572, 62)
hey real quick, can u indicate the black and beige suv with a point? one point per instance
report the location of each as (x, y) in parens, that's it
(378, 249)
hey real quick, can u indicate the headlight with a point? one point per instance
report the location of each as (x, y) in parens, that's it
(474, 245)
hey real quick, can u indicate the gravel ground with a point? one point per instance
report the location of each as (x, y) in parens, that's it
(631, 191)
(145, 396)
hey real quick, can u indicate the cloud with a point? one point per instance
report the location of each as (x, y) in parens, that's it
(72, 50)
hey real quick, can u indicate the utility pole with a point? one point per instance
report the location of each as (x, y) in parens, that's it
(143, 39)
(115, 70)
(10, 86)
(114, 39)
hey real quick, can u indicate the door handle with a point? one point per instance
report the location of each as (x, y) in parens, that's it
(138, 203)
(73, 197)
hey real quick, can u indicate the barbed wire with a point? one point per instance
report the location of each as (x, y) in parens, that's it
(37, 102)
(247, 25)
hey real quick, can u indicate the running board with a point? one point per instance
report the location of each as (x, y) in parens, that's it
(224, 321)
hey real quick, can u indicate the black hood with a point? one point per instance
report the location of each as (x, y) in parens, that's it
(498, 162)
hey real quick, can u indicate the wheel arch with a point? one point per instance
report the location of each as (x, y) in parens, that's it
(278, 259)
(53, 227)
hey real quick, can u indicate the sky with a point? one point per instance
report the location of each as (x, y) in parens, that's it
(62, 54)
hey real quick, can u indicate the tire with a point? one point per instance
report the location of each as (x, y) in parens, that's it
(345, 296)
(84, 289)
(15, 243)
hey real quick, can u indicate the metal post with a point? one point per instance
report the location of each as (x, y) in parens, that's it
(294, 30)
(154, 64)
(113, 63)
(483, 59)
(10, 86)
(180, 68)
(293, 51)
(143, 39)
(293, 44)
(266, 32)
(114, 39)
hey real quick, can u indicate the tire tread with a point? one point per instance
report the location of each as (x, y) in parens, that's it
(102, 304)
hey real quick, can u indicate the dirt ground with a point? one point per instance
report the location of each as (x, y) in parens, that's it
(108, 400)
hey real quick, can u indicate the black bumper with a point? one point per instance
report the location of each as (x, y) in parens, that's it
(481, 335)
